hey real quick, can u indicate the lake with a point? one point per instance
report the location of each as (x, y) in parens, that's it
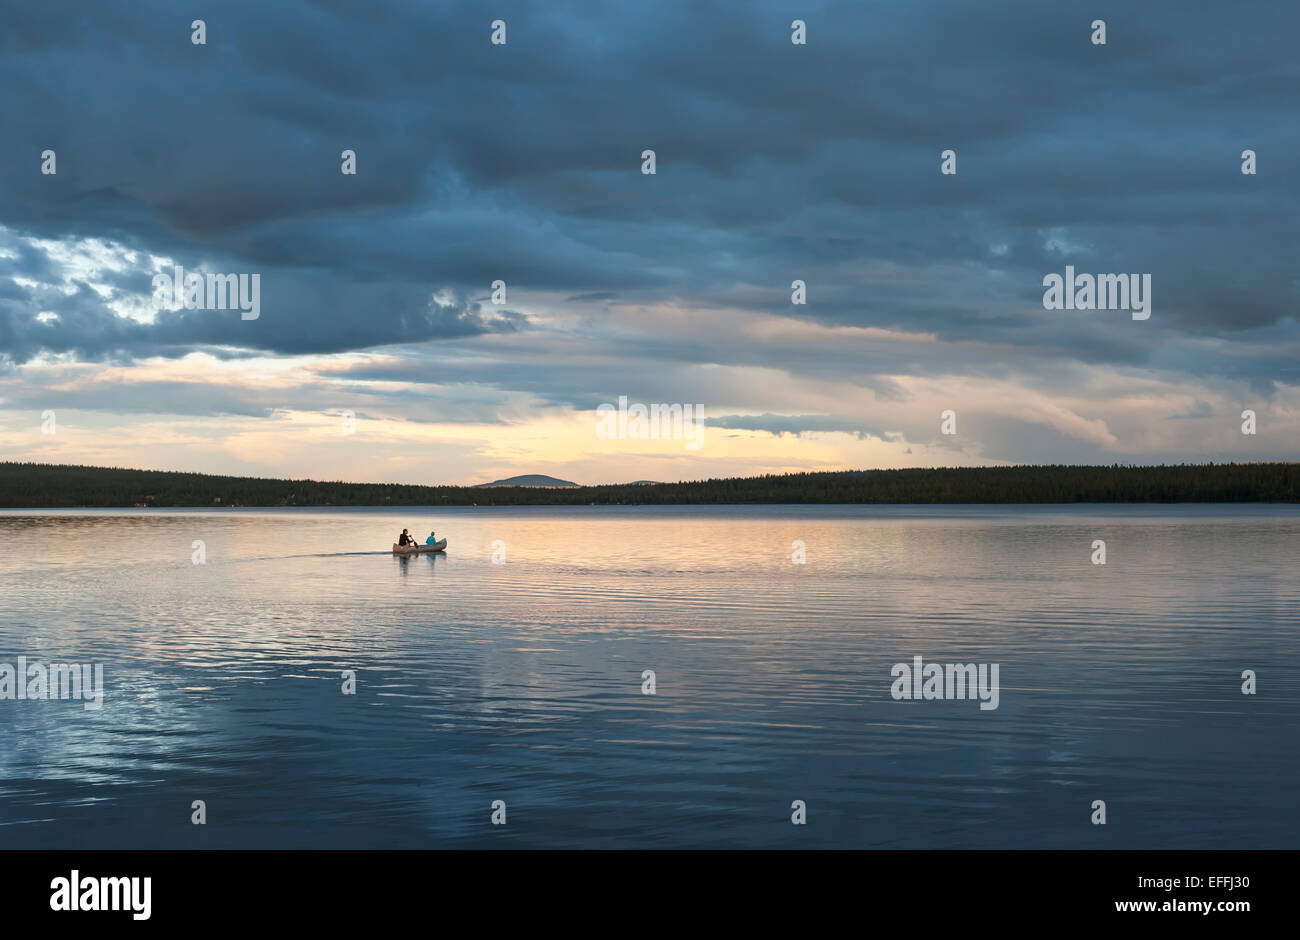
(519, 678)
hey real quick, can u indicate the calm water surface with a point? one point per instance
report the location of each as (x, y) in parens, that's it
(521, 681)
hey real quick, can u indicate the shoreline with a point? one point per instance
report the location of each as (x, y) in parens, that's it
(55, 486)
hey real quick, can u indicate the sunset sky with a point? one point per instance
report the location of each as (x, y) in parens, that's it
(522, 162)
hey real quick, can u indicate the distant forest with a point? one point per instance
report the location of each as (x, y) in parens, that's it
(46, 486)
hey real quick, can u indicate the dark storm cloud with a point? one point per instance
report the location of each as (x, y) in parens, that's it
(320, 312)
(776, 162)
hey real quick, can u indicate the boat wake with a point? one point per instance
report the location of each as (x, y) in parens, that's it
(316, 555)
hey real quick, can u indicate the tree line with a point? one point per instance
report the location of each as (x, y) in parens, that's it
(52, 486)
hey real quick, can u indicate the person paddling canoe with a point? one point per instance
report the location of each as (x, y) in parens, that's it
(405, 539)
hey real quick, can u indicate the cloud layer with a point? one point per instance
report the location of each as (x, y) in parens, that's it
(776, 162)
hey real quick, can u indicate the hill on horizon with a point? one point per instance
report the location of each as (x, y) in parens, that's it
(528, 479)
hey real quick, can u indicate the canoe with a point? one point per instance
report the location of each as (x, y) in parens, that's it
(437, 546)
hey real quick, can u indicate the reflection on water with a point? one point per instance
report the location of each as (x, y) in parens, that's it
(522, 681)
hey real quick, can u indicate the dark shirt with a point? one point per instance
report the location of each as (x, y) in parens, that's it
(405, 539)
